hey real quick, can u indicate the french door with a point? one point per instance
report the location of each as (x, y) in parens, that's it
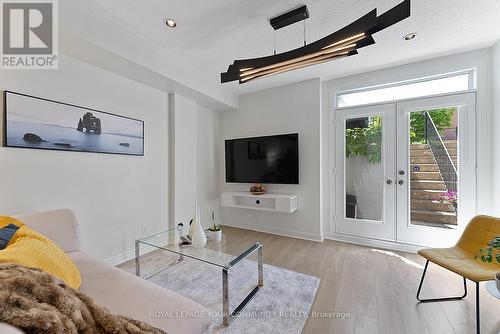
(405, 171)
(366, 160)
(436, 164)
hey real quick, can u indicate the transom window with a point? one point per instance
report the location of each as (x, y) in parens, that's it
(400, 91)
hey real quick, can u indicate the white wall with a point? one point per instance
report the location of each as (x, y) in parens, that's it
(288, 109)
(185, 157)
(112, 195)
(496, 126)
(479, 60)
(196, 160)
(208, 164)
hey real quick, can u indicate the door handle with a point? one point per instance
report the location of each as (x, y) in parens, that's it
(389, 182)
(401, 182)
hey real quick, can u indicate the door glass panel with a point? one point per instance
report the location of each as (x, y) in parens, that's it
(434, 167)
(364, 172)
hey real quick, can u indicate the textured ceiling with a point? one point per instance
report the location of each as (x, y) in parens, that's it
(211, 34)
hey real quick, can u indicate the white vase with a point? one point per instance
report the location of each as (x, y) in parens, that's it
(497, 281)
(191, 223)
(199, 238)
(191, 230)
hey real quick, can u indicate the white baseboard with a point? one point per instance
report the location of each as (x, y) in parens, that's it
(128, 255)
(400, 247)
(271, 230)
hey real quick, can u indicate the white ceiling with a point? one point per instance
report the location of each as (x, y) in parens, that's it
(211, 34)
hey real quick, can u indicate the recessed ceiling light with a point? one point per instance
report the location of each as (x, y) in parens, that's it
(170, 23)
(410, 36)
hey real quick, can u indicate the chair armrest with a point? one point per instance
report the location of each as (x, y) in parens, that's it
(59, 226)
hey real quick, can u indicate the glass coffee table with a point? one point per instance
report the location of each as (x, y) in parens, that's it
(491, 287)
(214, 254)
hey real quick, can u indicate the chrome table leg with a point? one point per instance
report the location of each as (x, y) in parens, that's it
(225, 298)
(228, 317)
(137, 264)
(260, 265)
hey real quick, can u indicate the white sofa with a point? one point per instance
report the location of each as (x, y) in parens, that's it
(121, 292)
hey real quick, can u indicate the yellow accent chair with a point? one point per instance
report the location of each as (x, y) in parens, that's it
(461, 258)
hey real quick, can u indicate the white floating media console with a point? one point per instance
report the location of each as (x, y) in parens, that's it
(286, 203)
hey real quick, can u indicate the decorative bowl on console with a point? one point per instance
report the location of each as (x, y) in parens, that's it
(258, 189)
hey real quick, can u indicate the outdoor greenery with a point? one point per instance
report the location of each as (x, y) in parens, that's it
(442, 119)
(367, 141)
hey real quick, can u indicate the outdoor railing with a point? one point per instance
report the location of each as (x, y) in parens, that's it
(441, 154)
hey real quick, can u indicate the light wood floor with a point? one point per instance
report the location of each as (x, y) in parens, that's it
(376, 287)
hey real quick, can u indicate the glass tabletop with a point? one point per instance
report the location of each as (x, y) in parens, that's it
(225, 254)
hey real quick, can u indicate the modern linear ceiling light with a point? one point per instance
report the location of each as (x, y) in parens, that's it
(340, 44)
(170, 23)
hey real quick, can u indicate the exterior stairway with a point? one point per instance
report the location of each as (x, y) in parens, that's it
(427, 184)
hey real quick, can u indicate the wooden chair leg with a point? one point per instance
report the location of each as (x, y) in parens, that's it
(437, 299)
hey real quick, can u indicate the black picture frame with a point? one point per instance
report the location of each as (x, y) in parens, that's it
(61, 147)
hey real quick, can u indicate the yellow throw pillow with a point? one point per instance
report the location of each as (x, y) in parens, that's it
(32, 249)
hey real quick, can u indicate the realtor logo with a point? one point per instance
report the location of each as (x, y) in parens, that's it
(29, 34)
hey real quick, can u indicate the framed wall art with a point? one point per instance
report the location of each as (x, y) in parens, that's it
(38, 123)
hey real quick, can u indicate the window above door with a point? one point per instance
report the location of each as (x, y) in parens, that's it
(441, 84)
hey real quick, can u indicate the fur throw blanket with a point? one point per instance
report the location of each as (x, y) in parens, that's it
(37, 302)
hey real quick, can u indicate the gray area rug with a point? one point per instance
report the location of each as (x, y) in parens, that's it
(281, 306)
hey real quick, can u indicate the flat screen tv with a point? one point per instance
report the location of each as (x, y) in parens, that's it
(270, 159)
